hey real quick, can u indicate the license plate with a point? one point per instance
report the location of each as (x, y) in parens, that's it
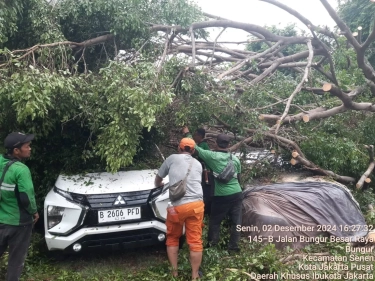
(114, 215)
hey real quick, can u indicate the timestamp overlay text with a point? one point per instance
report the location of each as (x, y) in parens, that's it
(351, 263)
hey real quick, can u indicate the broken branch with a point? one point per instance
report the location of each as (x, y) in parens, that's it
(238, 145)
(193, 44)
(311, 166)
(365, 176)
(299, 86)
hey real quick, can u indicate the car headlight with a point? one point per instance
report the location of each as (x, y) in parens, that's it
(155, 194)
(54, 215)
(63, 193)
(72, 197)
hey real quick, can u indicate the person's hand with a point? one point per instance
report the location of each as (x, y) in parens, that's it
(185, 130)
(161, 184)
(36, 217)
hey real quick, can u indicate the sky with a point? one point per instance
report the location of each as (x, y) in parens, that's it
(261, 13)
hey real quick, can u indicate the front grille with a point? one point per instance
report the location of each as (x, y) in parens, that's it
(99, 201)
(106, 201)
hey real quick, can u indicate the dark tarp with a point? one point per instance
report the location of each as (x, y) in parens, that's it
(302, 204)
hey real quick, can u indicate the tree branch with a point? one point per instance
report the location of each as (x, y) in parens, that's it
(188, 50)
(294, 57)
(226, 125)
(213, 16)
(369, 39)
(192, 44)
(286, 142)
(316, 91)
(251, 28)
(299, 86)
(215, 42)
(247, 60)
(166, 44)
(267, 72)
(311, 166)
(327, 75)
(317, 113)
(370, 149)
(367, 69)
(82, 45)
(238, 145)
(233, 53)
(300, 17)
(372, 85)
(341, 24)
(335, 91)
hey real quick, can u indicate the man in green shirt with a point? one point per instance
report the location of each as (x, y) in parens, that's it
(227, 199)
(18, 210)
(198, 137)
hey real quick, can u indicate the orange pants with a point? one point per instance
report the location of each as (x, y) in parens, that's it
(190, 214)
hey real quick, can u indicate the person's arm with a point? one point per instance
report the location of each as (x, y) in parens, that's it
(26, 192)
(162, 173)
(186, 133)
(158, 181)
(205, 155)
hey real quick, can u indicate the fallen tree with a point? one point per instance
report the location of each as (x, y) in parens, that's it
(312, 60)
(312, 93)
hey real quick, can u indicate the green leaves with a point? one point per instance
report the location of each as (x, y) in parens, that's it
(115, 105)
(335, 153)
(129, 98)
(9, 11)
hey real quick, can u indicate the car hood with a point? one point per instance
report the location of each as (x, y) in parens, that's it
(101, 183)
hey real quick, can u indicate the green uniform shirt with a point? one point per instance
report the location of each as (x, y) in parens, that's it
(17, 202)
(216, 161)
(203, 144)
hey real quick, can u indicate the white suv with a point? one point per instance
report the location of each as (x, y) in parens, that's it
(103, 209)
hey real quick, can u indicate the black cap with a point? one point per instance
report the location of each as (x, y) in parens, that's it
(16, 138)
(223, 139)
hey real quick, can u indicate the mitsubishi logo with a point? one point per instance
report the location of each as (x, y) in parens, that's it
(119, 201)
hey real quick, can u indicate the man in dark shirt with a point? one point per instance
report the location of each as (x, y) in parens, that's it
(207, 178)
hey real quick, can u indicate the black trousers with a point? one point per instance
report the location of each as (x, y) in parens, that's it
(208, 192)
(222, 206)
(18, 240)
